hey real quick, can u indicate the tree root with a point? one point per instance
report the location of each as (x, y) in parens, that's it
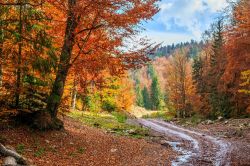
(44, 121)
(41, 120)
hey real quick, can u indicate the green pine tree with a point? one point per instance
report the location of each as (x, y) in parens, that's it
(197, 73)
(156, 96)
(138, 92)
(146, 98)
(219, 101)
(151, 71)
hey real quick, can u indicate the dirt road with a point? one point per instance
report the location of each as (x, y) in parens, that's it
(194, 148)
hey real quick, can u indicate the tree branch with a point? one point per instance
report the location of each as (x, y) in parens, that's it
(88, 29)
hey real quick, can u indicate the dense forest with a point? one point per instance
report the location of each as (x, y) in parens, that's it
(76, 83)
(56, 61)
(193, 47)
(53, 53)
(209, 78)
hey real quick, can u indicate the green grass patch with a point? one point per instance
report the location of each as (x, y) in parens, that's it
(160, 115)
(113, 123)
(39, 152)
(78, 151)
(81, 150)
(196, 119)
(20, 148)
(193, 120)
(120, 117)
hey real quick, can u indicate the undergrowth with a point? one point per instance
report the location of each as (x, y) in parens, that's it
(159, 115)
(113, 123)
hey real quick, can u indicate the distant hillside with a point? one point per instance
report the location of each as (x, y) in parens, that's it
(160, 62)
(165, 51)
(159, 66)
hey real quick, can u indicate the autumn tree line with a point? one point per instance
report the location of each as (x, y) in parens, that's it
(149, 96)
(220, 72)
(193, 46)
(216, 80)
(57, 53)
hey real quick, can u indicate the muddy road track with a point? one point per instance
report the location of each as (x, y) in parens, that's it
(194, 148)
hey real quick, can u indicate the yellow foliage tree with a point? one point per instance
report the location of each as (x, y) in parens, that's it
(245, 77)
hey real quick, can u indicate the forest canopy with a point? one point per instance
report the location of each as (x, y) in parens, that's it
(46, 46)
(58, 56)
(209, 77)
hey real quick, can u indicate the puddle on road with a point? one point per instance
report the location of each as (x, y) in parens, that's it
(184, 156)
(222, 157)
(221, 153)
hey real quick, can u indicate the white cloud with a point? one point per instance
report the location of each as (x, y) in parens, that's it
(216, 5)
(188, 14)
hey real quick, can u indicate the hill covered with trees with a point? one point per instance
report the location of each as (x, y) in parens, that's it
(209, 78)
(77, 65)
(193, 47)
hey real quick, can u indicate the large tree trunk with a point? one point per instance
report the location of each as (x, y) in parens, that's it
(19, 61)
(1, 62)
(74, 95)
(1, 54)
(64, 64)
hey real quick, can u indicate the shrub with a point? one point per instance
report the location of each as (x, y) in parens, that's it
(108, 106)
(121, 117)
(161, 115)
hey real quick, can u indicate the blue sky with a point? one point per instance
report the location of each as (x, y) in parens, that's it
(182, 20)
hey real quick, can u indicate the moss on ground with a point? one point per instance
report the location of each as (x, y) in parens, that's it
(113, 123)
(159, 115)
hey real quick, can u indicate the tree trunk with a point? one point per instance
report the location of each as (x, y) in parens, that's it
(1, 54)
(74, 101)
(64, 64)
(74, 94)
(18, 76)
(74, 97)
(1, 62)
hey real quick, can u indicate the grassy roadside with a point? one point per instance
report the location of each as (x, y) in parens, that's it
(113, 123)
(166, 116)
(159, 115)
(191, 121)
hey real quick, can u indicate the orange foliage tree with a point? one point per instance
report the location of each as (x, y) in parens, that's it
(180, 87)
(238, 55)
(92, 33)
(26, 51)
(84, 38)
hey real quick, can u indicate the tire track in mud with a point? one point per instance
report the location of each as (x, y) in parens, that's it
(195, 148)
